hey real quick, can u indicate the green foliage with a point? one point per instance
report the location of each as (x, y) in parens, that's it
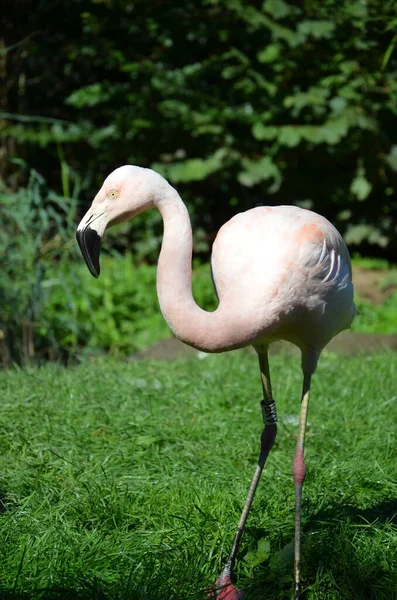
(35, 233)
(52, 307)
(298, 109)
(119, 313)
(126, 480)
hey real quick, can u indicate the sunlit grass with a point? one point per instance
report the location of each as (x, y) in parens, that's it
(379, 318)
(126, 480)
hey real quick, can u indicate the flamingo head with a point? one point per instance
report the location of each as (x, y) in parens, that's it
(126, 192)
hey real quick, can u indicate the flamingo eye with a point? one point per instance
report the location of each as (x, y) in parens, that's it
(113, 194)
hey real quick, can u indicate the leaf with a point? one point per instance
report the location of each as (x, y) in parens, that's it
(312, 133)
(281, 562)
(391, 158)
(356, 234)
(264, 132)
(335, 129)
(389, 52)
(337, 104)
(315, 96)
(277, 8)
(91, 95)
(193, 169)
(317, 29)
(360, 186)
(232, 71)
(289, 136)
(269, 54)
(256, 171)
(172, 108)
(256, 557)
(357, 9)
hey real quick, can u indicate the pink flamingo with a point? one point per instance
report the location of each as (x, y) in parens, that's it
(280, 273)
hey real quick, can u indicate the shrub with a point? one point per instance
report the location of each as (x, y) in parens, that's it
(119, 313)
(51, 306)
(35, 233)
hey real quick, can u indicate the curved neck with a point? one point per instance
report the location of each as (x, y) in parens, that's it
(207, 331)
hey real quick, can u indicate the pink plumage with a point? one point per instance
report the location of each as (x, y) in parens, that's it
(280, 273)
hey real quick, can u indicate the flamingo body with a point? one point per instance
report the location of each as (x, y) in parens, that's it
(279, 273)
(288, 271)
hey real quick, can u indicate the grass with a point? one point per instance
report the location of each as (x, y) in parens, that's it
(125, 481)
(370, 263)
(379, 318)
(376, 318)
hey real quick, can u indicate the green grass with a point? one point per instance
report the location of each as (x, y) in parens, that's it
(376, 318)
(379, 318)
(371, 263)
(126, 480)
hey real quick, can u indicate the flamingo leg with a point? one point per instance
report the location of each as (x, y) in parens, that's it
(299, 472)
(224, 589)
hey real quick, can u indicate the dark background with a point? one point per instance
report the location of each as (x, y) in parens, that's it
(237, 103)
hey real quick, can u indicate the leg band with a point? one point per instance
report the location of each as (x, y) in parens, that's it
(269, 413)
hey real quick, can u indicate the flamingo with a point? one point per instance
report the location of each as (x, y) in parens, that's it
(280, 273)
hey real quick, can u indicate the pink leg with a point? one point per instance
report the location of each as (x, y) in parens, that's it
(299, 473)
(224, 589)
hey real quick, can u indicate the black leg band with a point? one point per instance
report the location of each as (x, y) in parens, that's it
(269, 413)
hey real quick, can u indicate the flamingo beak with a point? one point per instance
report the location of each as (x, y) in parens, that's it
(89, 237)
(90, 246)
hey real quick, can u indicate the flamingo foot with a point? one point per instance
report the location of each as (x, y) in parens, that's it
(225, 590)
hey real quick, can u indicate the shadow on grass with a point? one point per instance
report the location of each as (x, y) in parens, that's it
(384, 512)
(330, 562)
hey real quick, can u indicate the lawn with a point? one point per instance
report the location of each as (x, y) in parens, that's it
(125, 480)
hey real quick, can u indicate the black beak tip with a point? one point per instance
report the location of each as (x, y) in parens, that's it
(89, 242)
